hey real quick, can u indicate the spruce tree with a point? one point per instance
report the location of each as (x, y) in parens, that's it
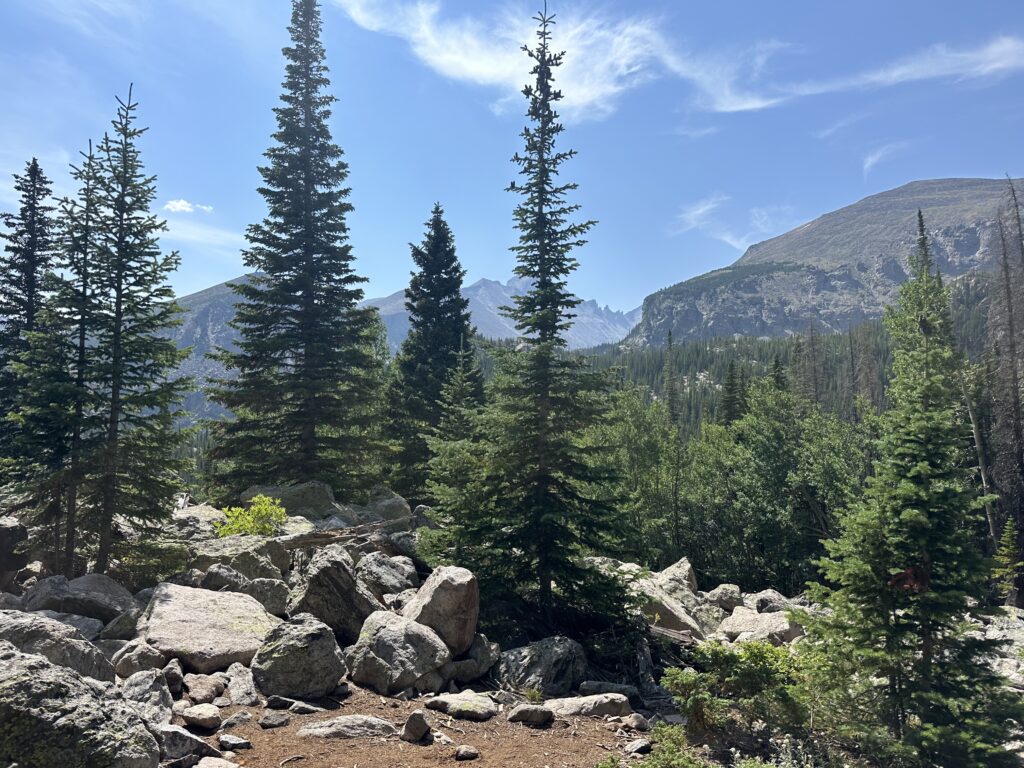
(305, 366)
(28, 254)
(732, 404)
(911, 681)
(135, 476)
(539, 509)
(440, 327)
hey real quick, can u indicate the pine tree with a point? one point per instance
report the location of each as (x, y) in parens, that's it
(1008, 562)
(670, 385)
(135, 478)
(440, 326)
(733, 400)
(305, 362)
(27, 257)
(538, 512)
(916, 684)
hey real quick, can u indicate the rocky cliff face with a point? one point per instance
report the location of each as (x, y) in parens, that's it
(833, 272)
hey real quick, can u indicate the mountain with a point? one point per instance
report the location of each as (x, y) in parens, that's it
(207, 313)
(834, 272)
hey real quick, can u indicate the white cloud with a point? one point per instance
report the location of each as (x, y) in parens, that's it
(225, 243)
(1002, 56)
(763, 222)
(184, 206)
(92, 18)
(697, 215)
(877, 155)
(605, 56)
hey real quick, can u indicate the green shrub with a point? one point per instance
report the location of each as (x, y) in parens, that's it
(534, 696)
(672, 749)
(263, 517)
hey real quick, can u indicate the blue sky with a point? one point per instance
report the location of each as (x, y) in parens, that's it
(701, 128)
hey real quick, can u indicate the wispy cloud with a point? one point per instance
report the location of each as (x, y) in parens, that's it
(92, 18)
(838, 126)
(189, 232)
(878, 154)
(691, 132)
(762, 223)
(184, 206)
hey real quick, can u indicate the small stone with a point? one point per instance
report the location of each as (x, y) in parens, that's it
(202, 716)
(304, 708)
(279, 702)
(180, 706)
(232, 742)
(638, 747)
(237, 719)
(466, 752)
(341, 691)
(215, 762)
(221, 701)
(275, 719)
(442, 738)
(416, 727)
(637, 722)
(203, 689)
(175, 677)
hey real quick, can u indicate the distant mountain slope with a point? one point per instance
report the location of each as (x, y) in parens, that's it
(834, 272)
(205, 327)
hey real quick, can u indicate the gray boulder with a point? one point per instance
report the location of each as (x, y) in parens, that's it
(9, 602)
(745, 624)
(89, 628)
(726, 597)
(255, 557)
(241, 687)
(136, 656)
(271, 593)
(679, 580)
(59, 643)
(94, 595)
(176, 742)
(767, 601)
(449, 603)
(385, 575)
(475, 663)
(349, 727)
(147, 693)
(175, 677)
(598, 705)
(123, 627)
(202, 716)
(299, 659)
(203, 689)
(467, 705)
(51, 717)
(206, 630)
(394, 653)
(631, 692)
(388, 505)
(329, 590)
(554, 666)
(223, 578)
(531, 714)
(416, 727)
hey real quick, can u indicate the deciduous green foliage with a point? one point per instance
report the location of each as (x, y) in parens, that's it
(263, 516)
(898, 671)
(541, 491)
(440, 327)
(306, 369)
(136, 474)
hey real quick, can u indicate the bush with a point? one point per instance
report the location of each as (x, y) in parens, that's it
(263, 517)
(672, 749)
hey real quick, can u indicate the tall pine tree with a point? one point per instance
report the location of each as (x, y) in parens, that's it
(440, 327)
(305, 362)
(28, 254)
(912, 682)
(135, 476)
(537, 506)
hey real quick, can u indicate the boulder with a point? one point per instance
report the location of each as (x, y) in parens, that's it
(475, 663)
(678, 580)
(554, 666)
(710, 617)
(313, 499)
(388, 505)
(329, 590)
(241, 717)
(398, 602)
(223, 578)
(631, 692)
(55, 641)
(271, 593)
(9, 602)
(767, 601)
(195, 522)
(203, 689)
(726, 597)
(89, 628)
(232, 742)
(531, 714)
(206, 630)
(598, 705)
(216, 762)
(123, 627)
(385, 575)
(241, 687)
(449, 603)
(94, 595)
(299, 659)
(416, 727)
(274, 719)
(147, 693)
(202, 716)
(109, 648)
(666, 596)
(746, 624)
(137, 656)
(255, 557)
(176, 742)
(51, 716)
(467, 705)
(394, 653)
(348, 727)
(175, 677)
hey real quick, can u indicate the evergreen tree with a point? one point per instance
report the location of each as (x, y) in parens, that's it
(302, 399)
(670, 385)
(538, 510)
(27, 257)
(439, 326)
(733, 400)
(135, 477)
(911, 682)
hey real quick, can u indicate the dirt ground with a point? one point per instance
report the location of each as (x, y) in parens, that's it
(571, 743)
